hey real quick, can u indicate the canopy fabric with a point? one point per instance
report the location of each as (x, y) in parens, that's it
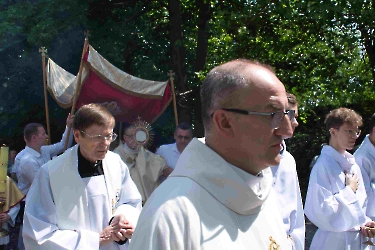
(125, 96)
(61, 84)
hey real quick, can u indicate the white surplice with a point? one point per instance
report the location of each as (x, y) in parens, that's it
(286, 185)
(65, 211)
(334, 208)
(365, 158)
(207, 203)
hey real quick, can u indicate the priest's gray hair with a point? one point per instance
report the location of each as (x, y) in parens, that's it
(220, 83)
(92, 114)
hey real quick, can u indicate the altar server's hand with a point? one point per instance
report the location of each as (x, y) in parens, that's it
(351, 180)
(105, 236)
(122, 228)
(69, 120)
(4, 217)
(366, 231)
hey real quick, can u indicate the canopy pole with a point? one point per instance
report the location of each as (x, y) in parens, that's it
(120, 133)
(43, 50)
(79, 85)
(171, 78)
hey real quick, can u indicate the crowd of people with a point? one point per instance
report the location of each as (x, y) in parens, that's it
(236, 188)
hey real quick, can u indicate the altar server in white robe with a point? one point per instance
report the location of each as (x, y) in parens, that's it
(365, 158)
(85, 198)
(336, 196)
(220, 194)
(286, 185)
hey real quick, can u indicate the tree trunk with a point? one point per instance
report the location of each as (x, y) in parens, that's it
(369, 42)
(200, 59)
(203, 34)
(178, 54)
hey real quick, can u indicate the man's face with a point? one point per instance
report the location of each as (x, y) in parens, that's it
(259, 144)
(93, 149)
(182, 137)
(294, 121)
(41, 137)
(12, 155)
(344, 137)
(128, 137)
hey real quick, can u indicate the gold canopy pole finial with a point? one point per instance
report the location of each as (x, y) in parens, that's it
(79, 84)
(171, 79)
(43, 50)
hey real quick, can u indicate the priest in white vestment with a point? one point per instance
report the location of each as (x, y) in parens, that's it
(85, 198)
(220, 194)
(144, 166)
(336, 198)
(365, 158)
(286, 185)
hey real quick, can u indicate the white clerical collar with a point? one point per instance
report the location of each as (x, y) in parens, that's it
(253, 181)
(130, 149)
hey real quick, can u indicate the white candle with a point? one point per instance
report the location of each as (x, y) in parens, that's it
(4, 154)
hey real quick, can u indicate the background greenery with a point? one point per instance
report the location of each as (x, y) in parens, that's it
(323, 51)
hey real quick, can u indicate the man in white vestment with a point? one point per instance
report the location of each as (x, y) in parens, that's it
(145, 167)
(286, 185)
(84, 198)
(220, 194)
(365, 158)
(336, 196)
(171, 152)
(35, 154)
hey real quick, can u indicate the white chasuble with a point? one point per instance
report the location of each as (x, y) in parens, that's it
(206, 204)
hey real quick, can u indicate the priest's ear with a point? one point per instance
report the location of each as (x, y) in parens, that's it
(77, 134)
(223, 122)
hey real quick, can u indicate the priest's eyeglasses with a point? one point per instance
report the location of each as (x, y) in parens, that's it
(276, 117)
(99, 138)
